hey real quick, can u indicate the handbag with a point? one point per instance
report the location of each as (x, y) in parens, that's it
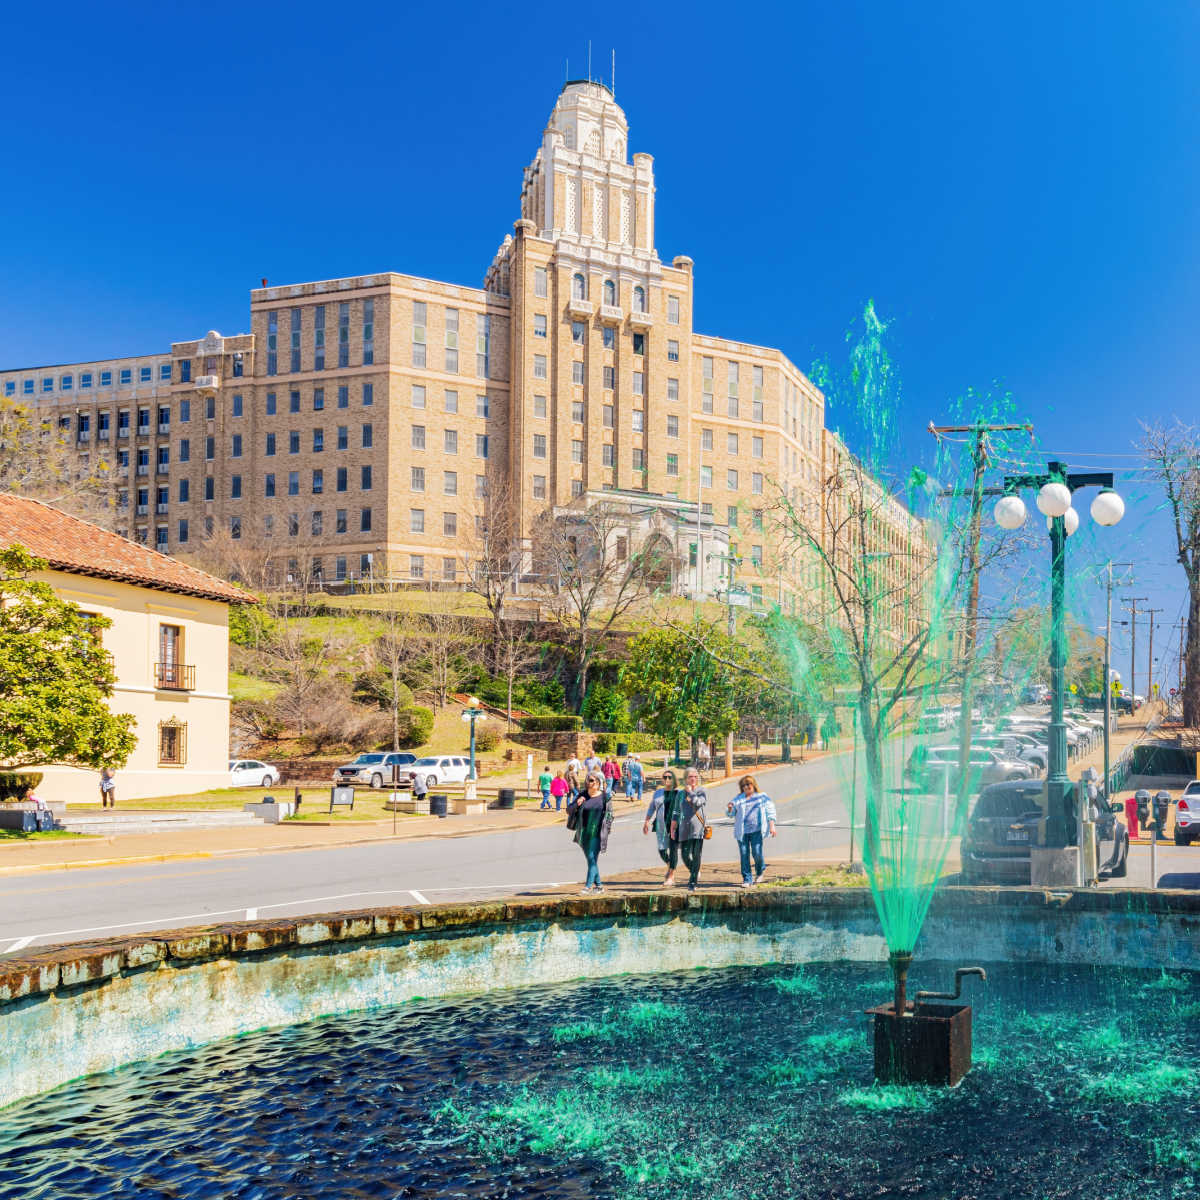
(573, 816)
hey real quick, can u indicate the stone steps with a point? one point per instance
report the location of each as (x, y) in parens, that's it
(114, 822)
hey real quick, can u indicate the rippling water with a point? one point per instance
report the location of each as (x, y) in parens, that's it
(727, 1084)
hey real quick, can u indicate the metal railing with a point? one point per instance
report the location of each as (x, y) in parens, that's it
(179, 677)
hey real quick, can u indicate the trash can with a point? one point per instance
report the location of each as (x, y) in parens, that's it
(506, 798)
(45, 820)
(438, 803)
(622, 749)
(1131, 816)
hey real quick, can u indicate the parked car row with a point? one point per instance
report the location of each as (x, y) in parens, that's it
(375, 770)
(249, 772)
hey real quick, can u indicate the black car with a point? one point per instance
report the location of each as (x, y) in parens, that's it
(1004, 824)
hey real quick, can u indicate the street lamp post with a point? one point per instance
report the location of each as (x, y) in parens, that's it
(1054, 501)
(472, 713)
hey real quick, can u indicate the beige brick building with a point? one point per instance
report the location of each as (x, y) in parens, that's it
(361, 422)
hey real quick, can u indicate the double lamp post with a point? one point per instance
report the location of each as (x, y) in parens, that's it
(1055, 490)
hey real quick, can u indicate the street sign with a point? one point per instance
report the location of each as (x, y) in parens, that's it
(529, 766)
(1174, 692)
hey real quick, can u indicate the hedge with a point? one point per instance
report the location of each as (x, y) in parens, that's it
(420, 725)
(638, 743)
(487, 738)
(555, 723)
(13, 784)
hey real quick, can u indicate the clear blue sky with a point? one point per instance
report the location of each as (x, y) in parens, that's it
(1016, 185)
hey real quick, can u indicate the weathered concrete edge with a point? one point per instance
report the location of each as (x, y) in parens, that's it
(84, 963)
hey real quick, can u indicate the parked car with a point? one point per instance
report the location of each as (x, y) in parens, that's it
(1017, 746)
(937, 720)
(373, 769)
(249, 772)
(1004, 824)
(438, 768)
(929, 765)
(1187, 815)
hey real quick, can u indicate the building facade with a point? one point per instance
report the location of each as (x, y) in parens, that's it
(169, 642)
(364, 423)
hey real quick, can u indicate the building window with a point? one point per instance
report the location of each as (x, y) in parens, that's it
(368, 436)
(185, 372)
(539, 325)
(342, 479)
(210, 450)
(419, 321)
(449, 570)
(639, 383)
(539, 487)
(672, 427)
(756, 447)
(343, 437)
(235, 528)
(318, 337)
(183, 531)
(452, 340)
(733, 406)
(293, 483)
(416, 520)
(296, 320)
(706, 439)
(293, 525)
(418, 396)
(578, 333)
(757, 519)
(578, 287)
(577, 411)
(481, 488)
(416, 566)
(294, 442)
(271, 407)
(639, 343)
(364, 520)
(416, 481)
(608, 337)
(731, 480)
(343, 397)
(272, 345)
(672, 464)
(270, 451)
(610, 378)
(172, 743)
(450, 441)
(268, 485)
(339, 521)
(672, 310)
(481, 445)
(577, 373)
(731, 516)
(450, 483)
(576, 488)
(731, 443)
(318, 522)
(365, 479)
(339, 566)
(481, 406)
(639, 420)
(449, 524)
(368, 395)
(451, 401)
(608, 455)
(539, 445)
(539, 366)
(318, 399)
(639, 299)
(540, 288)
(706, 477)
(638, 459)
(756, 483)
(577, 451)
(418, 437)
(483, 344)
(672, 352)
(318, 441)
(757, 410)
(368, 332)
(539, 406)
(344, 334)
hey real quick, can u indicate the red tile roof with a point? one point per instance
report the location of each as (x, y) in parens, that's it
(69, 544)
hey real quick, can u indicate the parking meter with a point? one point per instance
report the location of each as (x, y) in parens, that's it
(1162, 805)
(1143, 806)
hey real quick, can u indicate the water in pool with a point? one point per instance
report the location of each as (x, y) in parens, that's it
(731, 1084)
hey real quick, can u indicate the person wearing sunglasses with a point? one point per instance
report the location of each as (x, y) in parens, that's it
(689, 825)
(662, 813)
(592, 812)
(753, 816)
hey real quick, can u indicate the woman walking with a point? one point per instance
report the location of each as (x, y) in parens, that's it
(689, 825)
(559, 787)
(661, 813)
(593, 818)
(753, 819)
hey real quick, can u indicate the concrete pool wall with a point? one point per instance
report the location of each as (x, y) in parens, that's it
(85, 1008)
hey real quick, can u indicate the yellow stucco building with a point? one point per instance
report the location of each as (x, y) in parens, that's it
(169, 641)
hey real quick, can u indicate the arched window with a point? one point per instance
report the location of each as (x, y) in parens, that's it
(610, 292)
(639, 299)
(578, 288)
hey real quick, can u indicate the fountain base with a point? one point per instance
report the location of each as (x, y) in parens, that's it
(930, 1043)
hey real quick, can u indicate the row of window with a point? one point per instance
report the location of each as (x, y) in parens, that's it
(124, 375)
(449, 441)
(366, 440)
(608, 293)
(416, 522)
(295, 322)
(317, 399)
(420, 399)
(450, 360)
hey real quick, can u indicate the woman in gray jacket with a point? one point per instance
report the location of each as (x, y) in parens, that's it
(688, 827)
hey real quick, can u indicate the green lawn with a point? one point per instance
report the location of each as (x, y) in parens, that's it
(247, 687)
(17, 835)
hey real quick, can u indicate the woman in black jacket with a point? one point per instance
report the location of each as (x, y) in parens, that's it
(592, 817)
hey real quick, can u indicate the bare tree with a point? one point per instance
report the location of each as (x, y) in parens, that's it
(1174, 455)
(517, 652)
(446, 641)
(37, 460)
(495, 555)
(590, 576)
(392, 653)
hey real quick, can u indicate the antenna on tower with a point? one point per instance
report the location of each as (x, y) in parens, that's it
(589, 60)
(613, 77)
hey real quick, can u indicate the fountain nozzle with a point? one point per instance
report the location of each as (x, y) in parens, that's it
(900, 961)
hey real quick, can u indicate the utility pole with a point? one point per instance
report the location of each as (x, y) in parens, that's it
(1182, 627)
(731, 561)
(1108, 672)
(979, 462)
(1150, 657)
(1133, 602)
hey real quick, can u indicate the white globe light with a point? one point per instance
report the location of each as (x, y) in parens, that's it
(1054, 499)
(1070, 522)
(1009, 512)
(1107, 508)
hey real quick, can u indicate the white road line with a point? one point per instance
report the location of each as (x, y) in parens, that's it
(417, 896)
(818, 824)
(19, 944)
(251, 914)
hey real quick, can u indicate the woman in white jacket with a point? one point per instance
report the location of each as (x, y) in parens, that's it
(753, 819)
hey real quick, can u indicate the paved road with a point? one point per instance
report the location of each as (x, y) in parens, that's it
(65, 906)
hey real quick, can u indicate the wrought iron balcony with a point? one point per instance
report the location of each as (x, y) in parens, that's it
(179, 677)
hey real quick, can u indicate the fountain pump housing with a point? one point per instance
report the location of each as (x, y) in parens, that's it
(926, 1042)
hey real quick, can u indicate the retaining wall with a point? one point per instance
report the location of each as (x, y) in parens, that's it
(91, 1007)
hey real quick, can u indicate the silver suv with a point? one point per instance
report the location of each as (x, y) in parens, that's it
(373, 769)
(930, 767)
